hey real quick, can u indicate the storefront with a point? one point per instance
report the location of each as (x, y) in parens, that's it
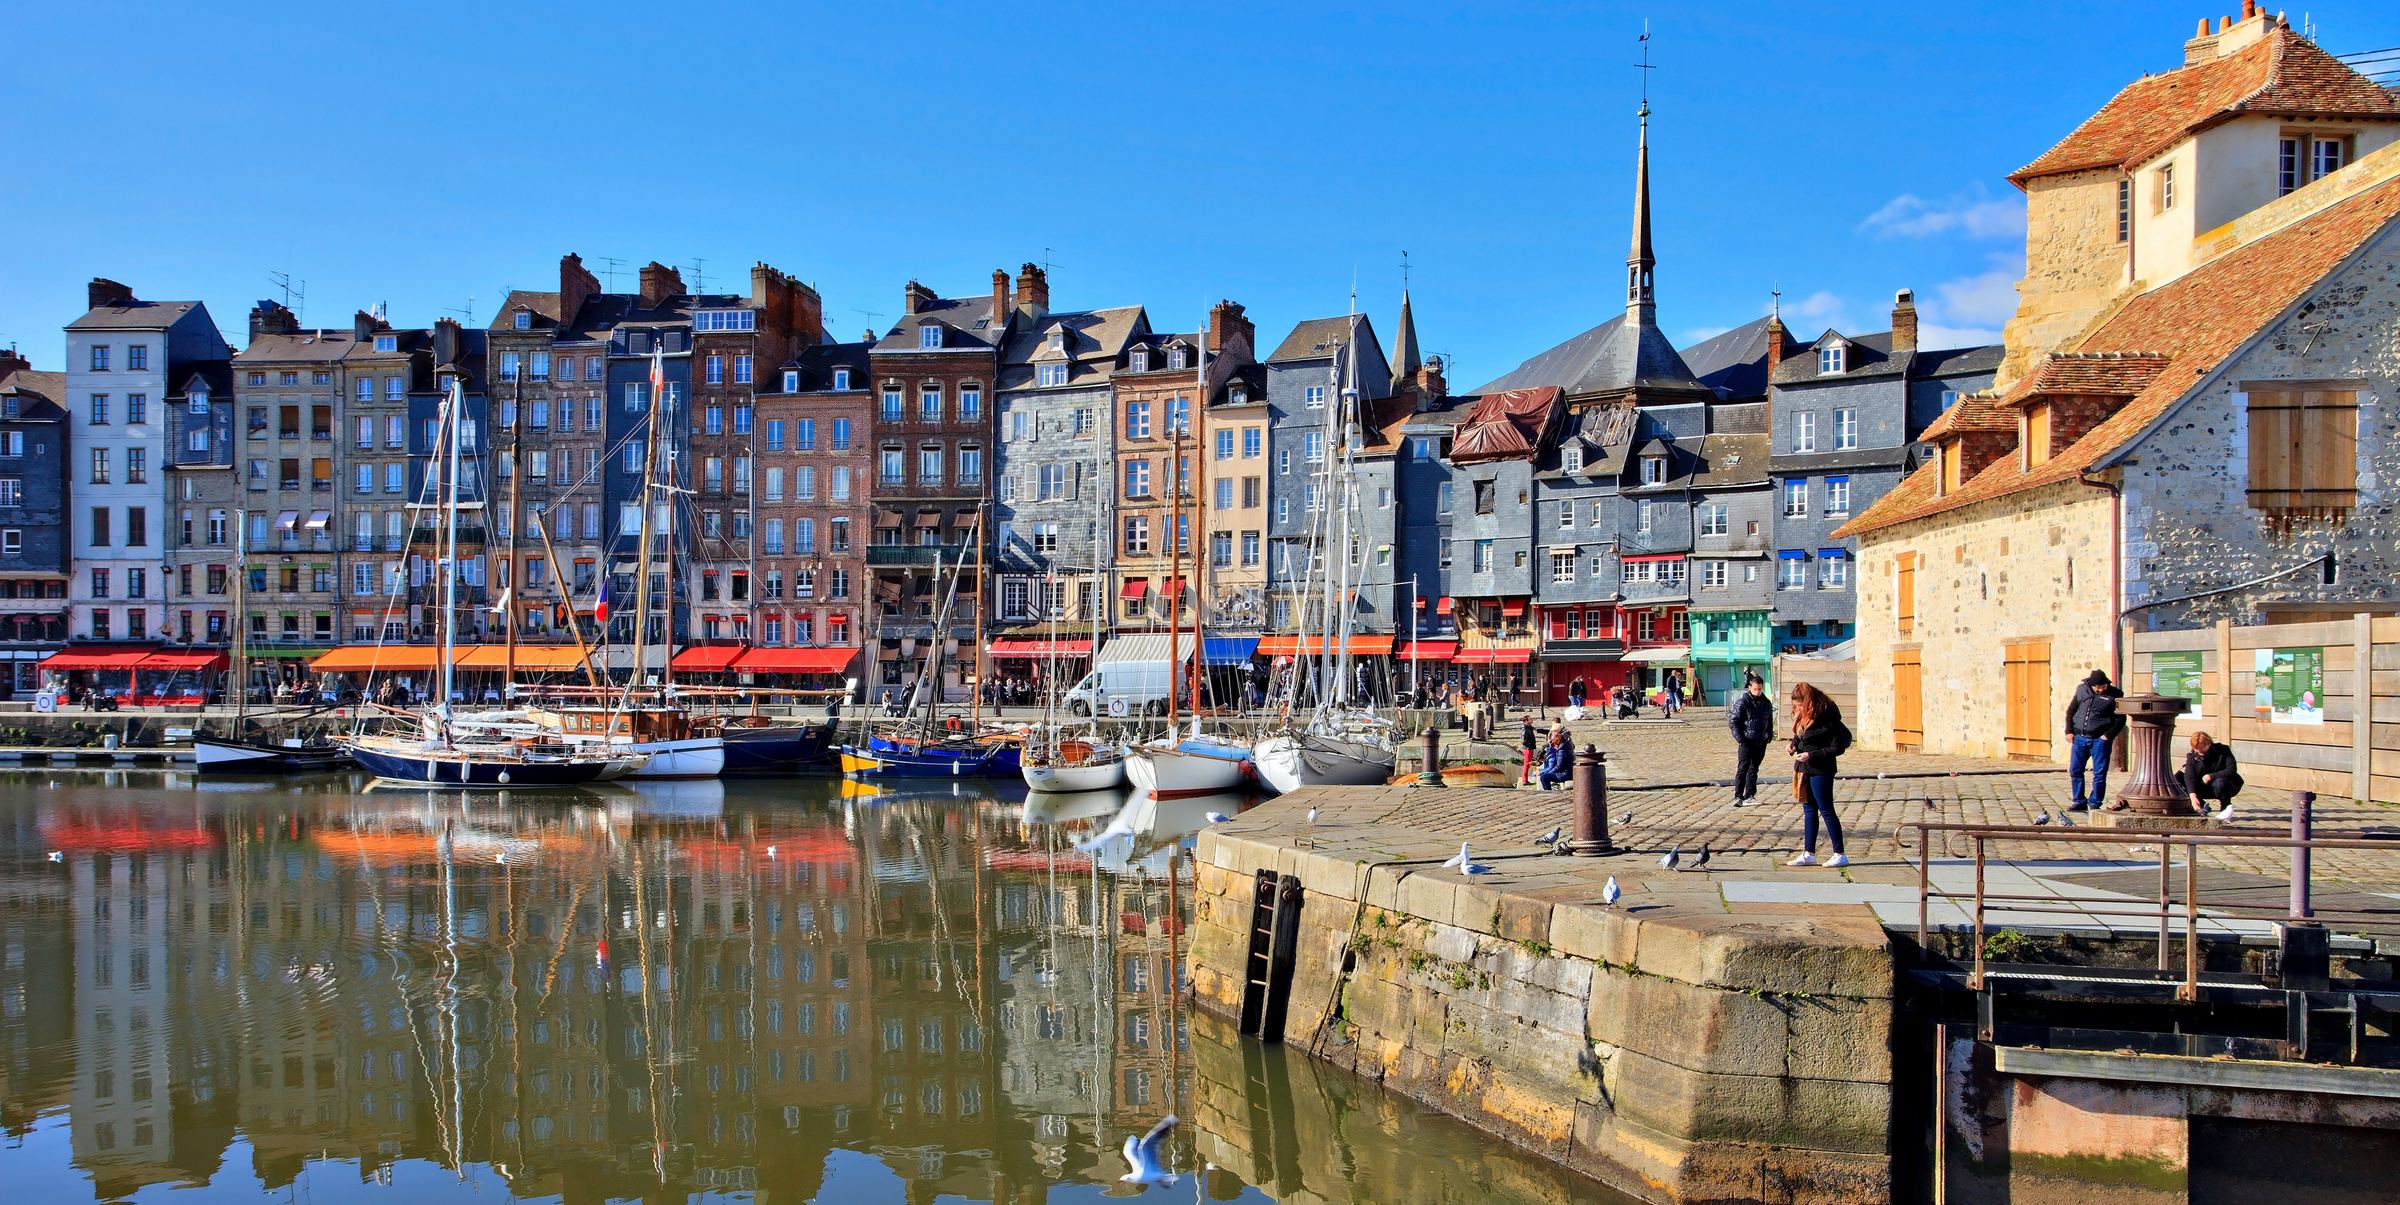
(145, 677)
(1647, 669)
(1592, 662)
(1026, 669)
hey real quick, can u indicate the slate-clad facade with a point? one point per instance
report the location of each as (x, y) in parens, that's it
(35, 486)
(1305, 377)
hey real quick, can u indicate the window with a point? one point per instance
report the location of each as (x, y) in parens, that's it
(12, 491)
(892, 466)
(524, 320)
(1791, 570)
(1830, 358)
(929, 404)
(101, 526)
(1845, 429)
(2124, 210)
(929, 464)
(137, 408)
(929, 335)
(741, 370)
(637, 396)
(1712, 575)
(712, 420)
(1654, 470)
(1804, 432)
(137, 357)
(1566, 516)
(841, 435)
(1249, 548)
(2303, 449)
(1224, 493)
(1795, 497)
(1714, 518)
(1048, 375)
(1483, 556)
(1570, 457)
(1137, 478)
(1179, 415)
(1283, 510)
(970, 465)
(1225, 444)
(2163, 188)
(1312, 447)
(970, 403)
(1837, 495)
(1562, 565)
(841, 381)
(1252, 440)
(1485, 494)
(100, 466)
(2299, 159)
(99, 409)
(1137, 420)
(1045, 538)
(1833, 569)
(1137, 535)
(100, 357)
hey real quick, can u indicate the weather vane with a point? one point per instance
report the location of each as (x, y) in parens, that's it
(1644, 65)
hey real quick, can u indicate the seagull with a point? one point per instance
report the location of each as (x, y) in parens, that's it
(1551, 837)
(2044, 818)
(770, 851)
(1121, 826)
(1218, 817)
(1672, 858)
(1141, 1155)
(1312, 815)
(1458, 860)
(57, 856)
(1701, 861)
(1610, 893)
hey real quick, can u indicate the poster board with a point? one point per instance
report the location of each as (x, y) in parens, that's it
(2177, 673)
(2289, 684)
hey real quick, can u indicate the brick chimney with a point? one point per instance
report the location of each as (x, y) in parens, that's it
(103, 291)
(1225, 319)
(999, 294)
(1779, 342)
(1432, 385)
(445, 341)
(363, 326)
(576, 284)
(12, 361)
(916, 298)
(660, 282)
(807, 315)
(1904, 322)
(1033, 289)
(272, 318)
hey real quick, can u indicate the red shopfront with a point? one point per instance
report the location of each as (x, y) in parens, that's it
(1581, 642)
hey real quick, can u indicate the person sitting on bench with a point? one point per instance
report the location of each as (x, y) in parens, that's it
(2210, 777)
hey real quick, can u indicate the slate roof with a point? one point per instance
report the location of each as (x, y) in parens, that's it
(1095, 338)
(816, 365)
(299, 347)
(1957, 361)
(1612, 357)
(2281, 74)
(135, 315)
(1506, 424)
(1729, 461)
(968, 317)
(1868, 356)
(2194, 322)
(41, 396)
(543, 305)
(217, 373)
(1313, 338)
(1733, 363)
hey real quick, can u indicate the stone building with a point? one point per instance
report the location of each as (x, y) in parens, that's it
(1847, 410)
(561, 431)
(35, 500)
(2217, 447)
(1233, 478)
(816, 461)
(1492, 526)
(1425, 580)
(1306, 373)
(123, 357)
(288, 388)
(647, 332)
(933, 373)
(383, 367)
(2144, 190)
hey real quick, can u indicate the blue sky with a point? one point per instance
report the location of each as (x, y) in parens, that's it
(425, 156)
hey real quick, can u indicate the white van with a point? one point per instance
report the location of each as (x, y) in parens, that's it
(1123, 688)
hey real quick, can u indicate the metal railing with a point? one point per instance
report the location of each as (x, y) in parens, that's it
(2164, 909)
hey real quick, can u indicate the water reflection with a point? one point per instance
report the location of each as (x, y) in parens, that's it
(648, 991)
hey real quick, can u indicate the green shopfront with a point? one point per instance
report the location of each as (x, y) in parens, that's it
(1728, 644)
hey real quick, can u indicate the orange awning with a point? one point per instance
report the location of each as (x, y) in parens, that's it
(1514, 606)
(532, 658)
(1285, 646)
(1023, 648)
(708, 658)
(796, 661)
(382, 658)
(1443, 607)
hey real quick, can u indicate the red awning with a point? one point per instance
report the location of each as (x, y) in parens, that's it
(96, 658)
(1513, 607)
(184, 659)
(796, 661)
(1041, 648)
(1472, 657)
(707, 658)
(1136, 587)
(1442, 607)
(1511, 656)
(1174, 586)
(1637, 560)
(1427, 650)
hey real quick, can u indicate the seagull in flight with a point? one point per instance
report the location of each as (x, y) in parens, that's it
(1672, 858)
(1551, 837)
(1141, 1156)
(1120, 826)
(1218, 817)
(1610, 893)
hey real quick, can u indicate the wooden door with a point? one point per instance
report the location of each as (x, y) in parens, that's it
(2026, 679)
(1908, 699)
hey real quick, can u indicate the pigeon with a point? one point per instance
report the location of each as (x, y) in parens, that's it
(1141, 1156)
(1218, 817)
(1551, 837)
(1672, 858)
(1610, 893)
(1701, 862)
(2065, 820)
(770, 851)
(2044, 818)
(57, 856)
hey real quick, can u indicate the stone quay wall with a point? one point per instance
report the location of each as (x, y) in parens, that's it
(1729, 1058)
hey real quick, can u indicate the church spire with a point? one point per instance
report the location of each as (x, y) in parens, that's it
(1641, 307)
(1406, 359)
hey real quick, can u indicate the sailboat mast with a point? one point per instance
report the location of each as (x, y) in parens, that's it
(641, 526)
(1174, 563)
(241, 620)
(1198, 407)
(1344, 490)
(982, 667)
(516, 477)
(449, 566)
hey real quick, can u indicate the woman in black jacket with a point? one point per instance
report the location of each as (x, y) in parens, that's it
(1819, 739)
(2209, 774)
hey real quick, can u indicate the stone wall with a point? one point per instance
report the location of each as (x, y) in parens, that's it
(2074, 266)
(1688, 1059)
(2031, 565)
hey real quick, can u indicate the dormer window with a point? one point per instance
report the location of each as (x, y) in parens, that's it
(1241, 395)
(199, 397)
(1140, 361)
(1654, 470)
(791, 380)
(2036, 437)
(1570, 458)
(1832, 358)
(841, 379)
(1952, 466)
(1177, 357)
(389, 343)
(1058, 342)
(929, 335)
(524, 323)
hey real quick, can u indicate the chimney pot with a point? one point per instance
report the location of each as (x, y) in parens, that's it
(1904, 322)
(2203, 30)
(1033, 289)
(916, 298)
(2224, 23)
(659, 282)
(2249, 9)
(103, 291)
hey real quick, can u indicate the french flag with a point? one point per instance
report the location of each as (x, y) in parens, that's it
(600, 611)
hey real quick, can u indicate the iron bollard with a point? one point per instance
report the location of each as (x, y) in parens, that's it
(1429, 772)
(2303, 823)
(1591, 804)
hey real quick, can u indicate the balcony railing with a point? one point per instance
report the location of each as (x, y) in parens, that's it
(1657, 591)
(911, 556)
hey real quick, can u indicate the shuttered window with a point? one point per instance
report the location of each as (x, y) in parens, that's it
(1905, 597)
(2037, 434)
(2303, 449)
(1908, 699)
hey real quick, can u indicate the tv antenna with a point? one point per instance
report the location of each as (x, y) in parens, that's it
(699, 275)
(610, 265)
(466, 314)
(295, 292)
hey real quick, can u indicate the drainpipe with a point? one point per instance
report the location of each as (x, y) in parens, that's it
(2116, 572)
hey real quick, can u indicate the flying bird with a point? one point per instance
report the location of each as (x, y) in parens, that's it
(1121, 826)
(1551, 837)
(1458, 860)
(1141, 1155)
(57, 856)
(770, 851)
(1610, 893)
(1672, 858)
(1218, 817)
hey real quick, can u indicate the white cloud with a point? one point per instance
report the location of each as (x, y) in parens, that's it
(1973, 214)
(1985, 299)
(1702, 334)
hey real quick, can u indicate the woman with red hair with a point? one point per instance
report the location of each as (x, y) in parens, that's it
(1819, 738)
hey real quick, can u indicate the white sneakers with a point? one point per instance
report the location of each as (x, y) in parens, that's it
(1838, 860)
(1809, 859)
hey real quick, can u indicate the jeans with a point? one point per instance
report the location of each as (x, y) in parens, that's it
(1745, 770)
(1558, 777)
(1818, 803)
(2095, 750)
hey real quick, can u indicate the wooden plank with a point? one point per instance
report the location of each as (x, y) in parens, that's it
(2362, 706)
(2329, 758)
(2387, 736)
(2387, 631)
(2293, 635)
(2311, 735)
(2173, 640)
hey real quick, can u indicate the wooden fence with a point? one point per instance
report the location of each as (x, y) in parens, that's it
(2307, 706)
(1838, 679)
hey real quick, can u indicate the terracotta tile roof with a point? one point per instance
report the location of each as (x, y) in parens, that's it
(1979, 411)
(2189, 326)
(2282, 74)
(1511, 422)
(2097, 374)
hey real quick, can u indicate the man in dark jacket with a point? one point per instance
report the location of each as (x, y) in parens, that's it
(1752, 719)
(2092, 726)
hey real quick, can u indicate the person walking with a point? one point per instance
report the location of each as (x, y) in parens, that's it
(1674, 691)
(1752, 719)
(1557, 759)
(2210, 775)
(1819, 738)
(2092, 727)
(1531, 743)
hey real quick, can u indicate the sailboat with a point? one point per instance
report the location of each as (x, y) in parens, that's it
(1055, 759)
(231, 754)
(1341, 743)
(1174, 766)
(439, 753)
(916, 748)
